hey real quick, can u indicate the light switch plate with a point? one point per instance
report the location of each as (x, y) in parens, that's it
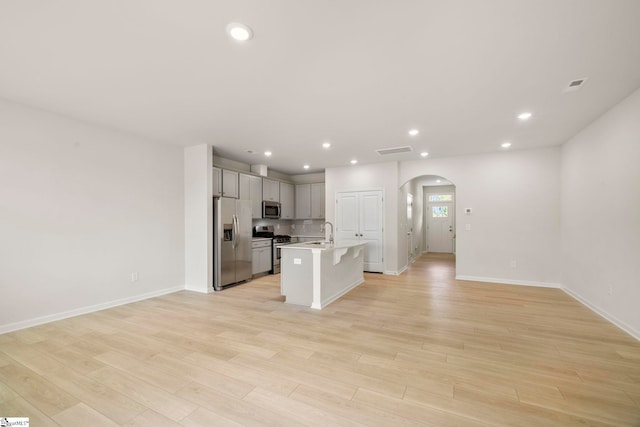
(297, 260)
(467, 227)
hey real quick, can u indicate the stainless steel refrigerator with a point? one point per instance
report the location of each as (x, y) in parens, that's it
(232, 254)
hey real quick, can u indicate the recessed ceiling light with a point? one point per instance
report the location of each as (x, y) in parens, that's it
(306, 166)
(326, 145)
(524, 116)
(354, 161)
(239, 32)
(414, 132)
(267, 153)
(505, 145)
(424, 154)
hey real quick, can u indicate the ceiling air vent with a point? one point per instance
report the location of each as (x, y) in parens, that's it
(396, 150)
(574, 85)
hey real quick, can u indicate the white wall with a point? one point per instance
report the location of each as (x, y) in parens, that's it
(369, 177)
(81, 208)
(515, 197)
(405, 227)
(198, 216)
(601, 214)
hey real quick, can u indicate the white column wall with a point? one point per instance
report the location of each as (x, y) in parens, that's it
(81, 209)
(198, 214)
(601, 215)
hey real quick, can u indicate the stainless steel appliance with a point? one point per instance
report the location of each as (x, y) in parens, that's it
(265, 231)
(232, 255)
(270, 210)
(278, 242)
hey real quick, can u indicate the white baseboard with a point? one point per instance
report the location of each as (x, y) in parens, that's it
(396, 273)
(331, 299)
(509, 281)
(10, 327)
(607, 316)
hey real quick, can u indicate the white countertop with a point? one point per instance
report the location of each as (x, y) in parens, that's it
(321, 244)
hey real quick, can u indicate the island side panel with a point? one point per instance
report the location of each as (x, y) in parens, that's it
(296, 278)
(340, 278)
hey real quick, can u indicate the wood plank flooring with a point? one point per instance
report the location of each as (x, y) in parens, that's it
(417, 349)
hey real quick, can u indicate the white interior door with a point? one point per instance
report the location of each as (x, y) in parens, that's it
(359, 217)
(347, 218)
(440, 232)
(371, 230)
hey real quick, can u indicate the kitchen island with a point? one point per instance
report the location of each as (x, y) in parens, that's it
(315, 274)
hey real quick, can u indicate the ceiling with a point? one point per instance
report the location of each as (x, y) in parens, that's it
(356, 73)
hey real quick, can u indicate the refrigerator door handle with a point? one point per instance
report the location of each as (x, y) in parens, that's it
(236, 230)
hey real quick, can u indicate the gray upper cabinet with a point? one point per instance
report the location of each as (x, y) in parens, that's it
(310, 201)
(251, 189)
(286, 200)
(229, 184)
(303, 201)
(317, 201)
(270, 190)
(217, 182)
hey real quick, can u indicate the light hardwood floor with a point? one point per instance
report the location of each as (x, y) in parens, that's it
(417, 349)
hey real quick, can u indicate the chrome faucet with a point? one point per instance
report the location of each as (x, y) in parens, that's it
(330, 232)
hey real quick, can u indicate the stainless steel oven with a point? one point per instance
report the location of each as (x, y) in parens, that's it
(278, 242)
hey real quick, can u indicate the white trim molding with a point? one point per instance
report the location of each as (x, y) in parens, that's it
(396, 273)
(10, 327)
(607, 316)
(604, 314)
(509, 281)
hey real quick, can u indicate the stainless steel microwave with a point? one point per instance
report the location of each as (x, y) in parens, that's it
(270, 209)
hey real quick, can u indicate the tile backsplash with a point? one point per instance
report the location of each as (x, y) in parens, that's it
(298, 227)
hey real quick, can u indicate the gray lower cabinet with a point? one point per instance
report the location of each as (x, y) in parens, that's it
(261, 256)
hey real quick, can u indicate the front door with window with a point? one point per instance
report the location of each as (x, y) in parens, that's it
(440, 230)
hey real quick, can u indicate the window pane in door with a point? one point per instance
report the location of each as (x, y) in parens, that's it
(440, 198)
(439, 211)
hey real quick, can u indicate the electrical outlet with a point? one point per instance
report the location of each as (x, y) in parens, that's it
(513, 263)
(134, 276)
